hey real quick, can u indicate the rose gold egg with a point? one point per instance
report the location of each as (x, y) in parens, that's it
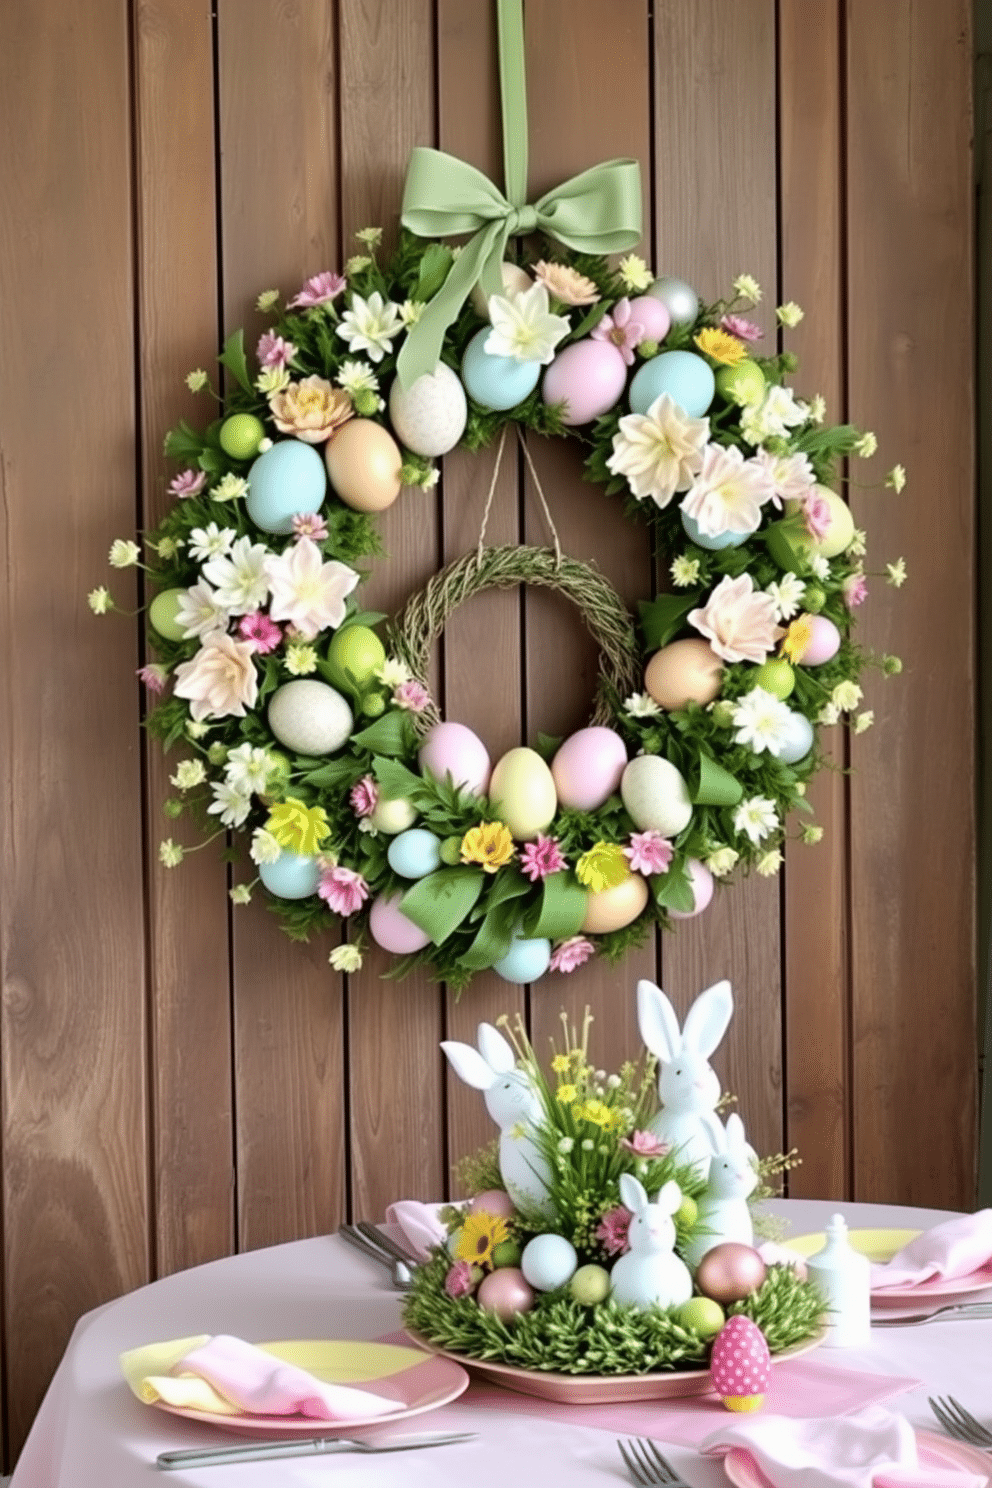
(730, 1272)
(684, 672)
(505, 1292)
(364, 463)
(493, 1201)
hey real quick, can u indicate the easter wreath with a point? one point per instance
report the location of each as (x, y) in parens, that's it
(303, 730)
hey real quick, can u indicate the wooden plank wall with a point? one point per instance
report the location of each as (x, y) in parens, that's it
(178, 1083)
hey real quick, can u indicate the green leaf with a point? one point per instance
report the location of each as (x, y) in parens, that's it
(664, 617)
(673, 890)
(563, 908)
(434, 268)
(547, 745)
(589, 321)
(334, 774)
(493, 939)
(439, 902)
(396, 781)
(183, 442)
(233, 358)
(390, 735)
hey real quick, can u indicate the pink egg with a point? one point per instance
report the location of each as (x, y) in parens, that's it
(587, 768)
(505, 1292)
(492, 1201)
(652, 315)
(824, 641)
(392, 930)
(589, 377)
(451, 748)
(740, 1364)
(701, 883)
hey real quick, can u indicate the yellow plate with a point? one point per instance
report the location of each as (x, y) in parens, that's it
(878, 1245)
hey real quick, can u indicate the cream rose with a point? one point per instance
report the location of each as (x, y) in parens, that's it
(220, 681)
(310, 409)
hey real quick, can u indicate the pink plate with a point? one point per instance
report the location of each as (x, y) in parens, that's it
(934, 1451)
(934, 1290)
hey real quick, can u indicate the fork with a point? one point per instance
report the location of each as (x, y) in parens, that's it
(949, 1312)
(647, 1466)
(960, 1423)
(398, 1270)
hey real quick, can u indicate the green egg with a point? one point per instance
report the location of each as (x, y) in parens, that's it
(240, 435)
(506, 1253)
(590, 1285)
(162, 614)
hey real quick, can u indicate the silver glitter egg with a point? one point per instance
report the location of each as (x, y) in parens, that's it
(679, 299)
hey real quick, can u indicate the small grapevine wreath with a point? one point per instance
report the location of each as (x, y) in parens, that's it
(306, 731)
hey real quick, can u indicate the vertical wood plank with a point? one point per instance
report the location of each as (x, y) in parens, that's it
(75, 1176)
(910, 378)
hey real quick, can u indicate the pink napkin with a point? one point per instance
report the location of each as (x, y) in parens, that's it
(422, 1229)
(875, 1447)
(260, 1384)
(955, 1248)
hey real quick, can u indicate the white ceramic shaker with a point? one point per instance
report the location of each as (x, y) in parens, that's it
(844, 1279)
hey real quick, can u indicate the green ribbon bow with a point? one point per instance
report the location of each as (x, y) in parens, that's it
(597, 211)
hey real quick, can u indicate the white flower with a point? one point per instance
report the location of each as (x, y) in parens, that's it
(248, 769)
(392, 673)
(272, 380)
(728, 493)
(755, 818)
(170, 854)
(264, 847)
(240, 579)
(787, 594)
(307, 591)
(211, 541)
(896, 573)
(819, 566)
(866, 446)
(99, 600)
(791, 477)
(634, 272)
(660, 451)
(524, 327)
(232, 806)
(770, 862)
(371, 325)
(357, 377)
(721, 861)
(772, 418)
(828, 715)
(817, 409)
(812, 834)
(267, 300)
(738, 622)
(300, 660)
(240, 894)
(123, 554)
(684, 572)
(864, 721)
(747, 286)
(846, 696)
(896, 478)
(762, 721)
(200, 611)
(196, 729)
(789, 314)
(347, 958)
(430, 479)
(229, 487)
(641, 705)
(189, 772)
(857, 547)
(411, 311)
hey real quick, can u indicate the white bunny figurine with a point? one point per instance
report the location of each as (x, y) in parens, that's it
(724, 1213)
(687, 1084)
(650, 1274)
(513, 1103)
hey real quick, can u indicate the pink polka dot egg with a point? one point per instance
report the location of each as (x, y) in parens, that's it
(740, 1364)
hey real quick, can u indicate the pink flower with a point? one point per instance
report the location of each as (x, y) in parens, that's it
(541, 857)
(620, 331)
(611, 1232)
(364, 796)
(648, 852)
(343, 890)
(260, 629)
(318, 290)
(188, 483)
(220, 681)
(816, 514)
(738, 623)
(273, 351)
(412, 695)
(855, 590)
(742, 328)
(310, 524)
(645, 1144)
(306, 591)
(460, 1281)
(571, 954)
(153, 676)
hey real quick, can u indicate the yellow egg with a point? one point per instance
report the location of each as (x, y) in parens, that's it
(841, 527)
(523, 789)
(364, 463)
(393, 817)
(611, 909)
(685, 672)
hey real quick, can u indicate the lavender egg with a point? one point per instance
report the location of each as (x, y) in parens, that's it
(701, 883)
(588, 377)
(824, 641)
(505, 1292)
(652, 314)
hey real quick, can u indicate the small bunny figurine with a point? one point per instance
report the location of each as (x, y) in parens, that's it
(513, 1104)
(687, 1084)
(723, 1209)
(650, 1274)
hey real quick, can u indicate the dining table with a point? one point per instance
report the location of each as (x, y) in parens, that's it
(92, 1431)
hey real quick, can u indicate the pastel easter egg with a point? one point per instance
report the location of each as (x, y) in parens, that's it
(612, 909)
(740, 1364)
(743, 384)
(679, 299)
(515, 281)
(240, 435)
(495, 1201)
(797, 739)
(588, 377)
(309, 717)
(354, 656)
(392, 817)
(292, 876)
(285, 481)
(702, 1315)
(590, 1285)
(701, 884)
(824, 641)
(497, 382)
(523, 789)
(414, 853)
(162, 613)
(365, 464)
(548, 1262)
(841, 529)
(651, 313)
(715, 542)
(525, 961)
(391, 929)
(429, 417)
(729, 1272)
(452, 749)
(687, 671)
(655, 795)
(775, 676)
(505, 1292)
(587, 768)
(685, 377)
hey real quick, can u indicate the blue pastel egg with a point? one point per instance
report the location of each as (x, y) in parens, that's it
(497, 382)
(798, 739)
(292, 876)
(286, 480)
(685, 377)
(714, 544)
(525, 961)
(414, 853)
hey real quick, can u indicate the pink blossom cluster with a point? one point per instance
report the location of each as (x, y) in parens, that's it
(318, 290)
(541, 857)
(343, 890)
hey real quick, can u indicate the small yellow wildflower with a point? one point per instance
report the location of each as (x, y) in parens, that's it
(769, 863)
(300, 659)
(370, 236)
(866, 446)
(864, 721)
(635, 273)
(596, 1111)
(168, 547)
(347, 958)
(123, 554)
(722, 861)
(846, 696)
(817, 409)
(197, 381)
(748, 287)
(490, 844)
(272, 380)
(229, 487)
(602, 867)
(896, 573)
(797, 639)
(189, 773)
(812, 834)
(479, 1236)
(298, 827)
(357, 264)
(240, 894)
(566, 1094)
(560, 1064)
(170, 854)
(99, 600)
(790, 314)
(720, 346)
(685, 572)
(267, 300)
(896, 478)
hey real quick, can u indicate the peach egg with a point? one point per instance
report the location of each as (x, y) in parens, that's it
(364, 463)
(683, 672)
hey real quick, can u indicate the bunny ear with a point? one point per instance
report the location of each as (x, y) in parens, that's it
(469, 1065)
(495, 1050)
(657, 1021)
(669, 1197)
(707, 1019)
(735, 1132)
(717, 1137)
(632, 1194)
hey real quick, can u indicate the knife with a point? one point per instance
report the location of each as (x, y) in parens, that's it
(296, 1446)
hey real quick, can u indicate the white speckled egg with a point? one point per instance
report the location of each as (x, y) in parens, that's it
(452, 749)
(429, 417)
(655, 795)
(611, 909)
(523, 789)
(309, 717)
(548, 1262)
(587, 768)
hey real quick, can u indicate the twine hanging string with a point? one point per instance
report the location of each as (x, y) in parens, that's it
(490, 494)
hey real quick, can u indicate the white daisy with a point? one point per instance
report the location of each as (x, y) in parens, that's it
(787, 594)
(248, 769)
(756, 818)
(240, 577)
(200, 611)
(232, 806)
(211, 541)
(641, 705)
(772, 418)
(762, 721)
(264, 847)
(371, 325)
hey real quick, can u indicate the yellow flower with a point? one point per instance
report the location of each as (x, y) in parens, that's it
(99, 600)
(770, 862)
(721, 861)
(240, 894)
(267, 300)
(789, 314)
(896, 573)
(480, 1234)
(566, 1094)
(170, 854)
(489, 844)
(197, 381)
(720, 346)
(635, 273)
(797, 639)
(812, 834)
(310, 409)
(602, 867)
(596, 1111)
(298, 827)
(560, 1063)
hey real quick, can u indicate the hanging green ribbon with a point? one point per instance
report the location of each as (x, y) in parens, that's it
(597, 211)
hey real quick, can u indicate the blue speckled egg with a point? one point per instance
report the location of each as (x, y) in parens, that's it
(292, 876)
(714, 544)
(497, 382)
(685, 377)
(525, 961)
(287, 479)
(799, 739)
(414, 853)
